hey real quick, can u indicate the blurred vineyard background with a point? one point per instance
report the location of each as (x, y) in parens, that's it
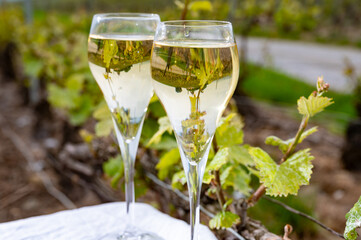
(49, 99)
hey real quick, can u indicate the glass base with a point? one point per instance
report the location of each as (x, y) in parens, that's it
(138, 234)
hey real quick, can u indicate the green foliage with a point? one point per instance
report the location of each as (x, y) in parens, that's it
(166, 163)
(353, 221)
(202, 5)
(284, 145)
(224, 219)
(296, 16)
(287, 177)
(229, 131)
(10, 20)
(239, 154)
(104, 125)
(56, 54)
(235, 177)
(164, 126)
(114, 169)
(229, 162)
(179, 179)
(218, 161)
(313, 105)
(78, 106)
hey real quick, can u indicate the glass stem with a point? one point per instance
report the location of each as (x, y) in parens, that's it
(194, 188)
(128, 148)
(128, 161)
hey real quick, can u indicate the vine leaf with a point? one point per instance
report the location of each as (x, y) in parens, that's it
(284, 145)
(229, 132)
(200, 6)
(164, 126)
(224, 219)
(102, 111)
(237, 177)
(114, 169)
(239, 154)
(313, 105)
(167, 162)
(286, 178)
(104, 125)
(103, 128)
(179, 179)
(217, 162)
(353, 221)
(236, 155)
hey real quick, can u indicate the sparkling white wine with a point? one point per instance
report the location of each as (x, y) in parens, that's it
(121, 67)
(194, 81)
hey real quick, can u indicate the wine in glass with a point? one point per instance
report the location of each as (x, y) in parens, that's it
(195, 70)
(119, 49)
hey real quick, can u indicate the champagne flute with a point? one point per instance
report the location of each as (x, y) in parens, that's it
(119, 49)
(195, 70)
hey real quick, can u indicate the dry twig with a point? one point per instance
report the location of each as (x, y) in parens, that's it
(290, 209)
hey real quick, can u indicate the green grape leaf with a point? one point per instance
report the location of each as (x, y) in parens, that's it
(61, 97)
(103, 128)
(114, 169)
(353, 221)
(75, 81)
(224, 219)
(227, 203)
(179, 179)
(33, 67)
(286, 178)
(240, 154)
(140, 188)
(313, 105)
(164, 126)
(166, 143)
(229, 132)
(102, 111)
(283, 145)
(200, 6)
(82, 111)
(166, 162)
(221, 158)
(154, 99)
(236, 177)
(276, 141)
(156, 110)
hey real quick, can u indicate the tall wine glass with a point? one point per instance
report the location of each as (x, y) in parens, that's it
(119, 49)
(195, 69)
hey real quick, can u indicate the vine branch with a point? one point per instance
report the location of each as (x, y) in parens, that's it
(185, 10)
(290, 209)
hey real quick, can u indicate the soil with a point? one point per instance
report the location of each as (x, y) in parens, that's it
(22, 193)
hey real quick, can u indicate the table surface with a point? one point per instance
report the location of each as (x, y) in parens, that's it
(103, 221)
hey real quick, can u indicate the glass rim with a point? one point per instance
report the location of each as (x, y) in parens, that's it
(196, 23)
(128, 15)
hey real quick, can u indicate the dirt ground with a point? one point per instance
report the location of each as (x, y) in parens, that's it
(22, 193)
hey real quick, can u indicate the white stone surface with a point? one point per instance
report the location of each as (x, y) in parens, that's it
(306, 61)
(101, 222)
